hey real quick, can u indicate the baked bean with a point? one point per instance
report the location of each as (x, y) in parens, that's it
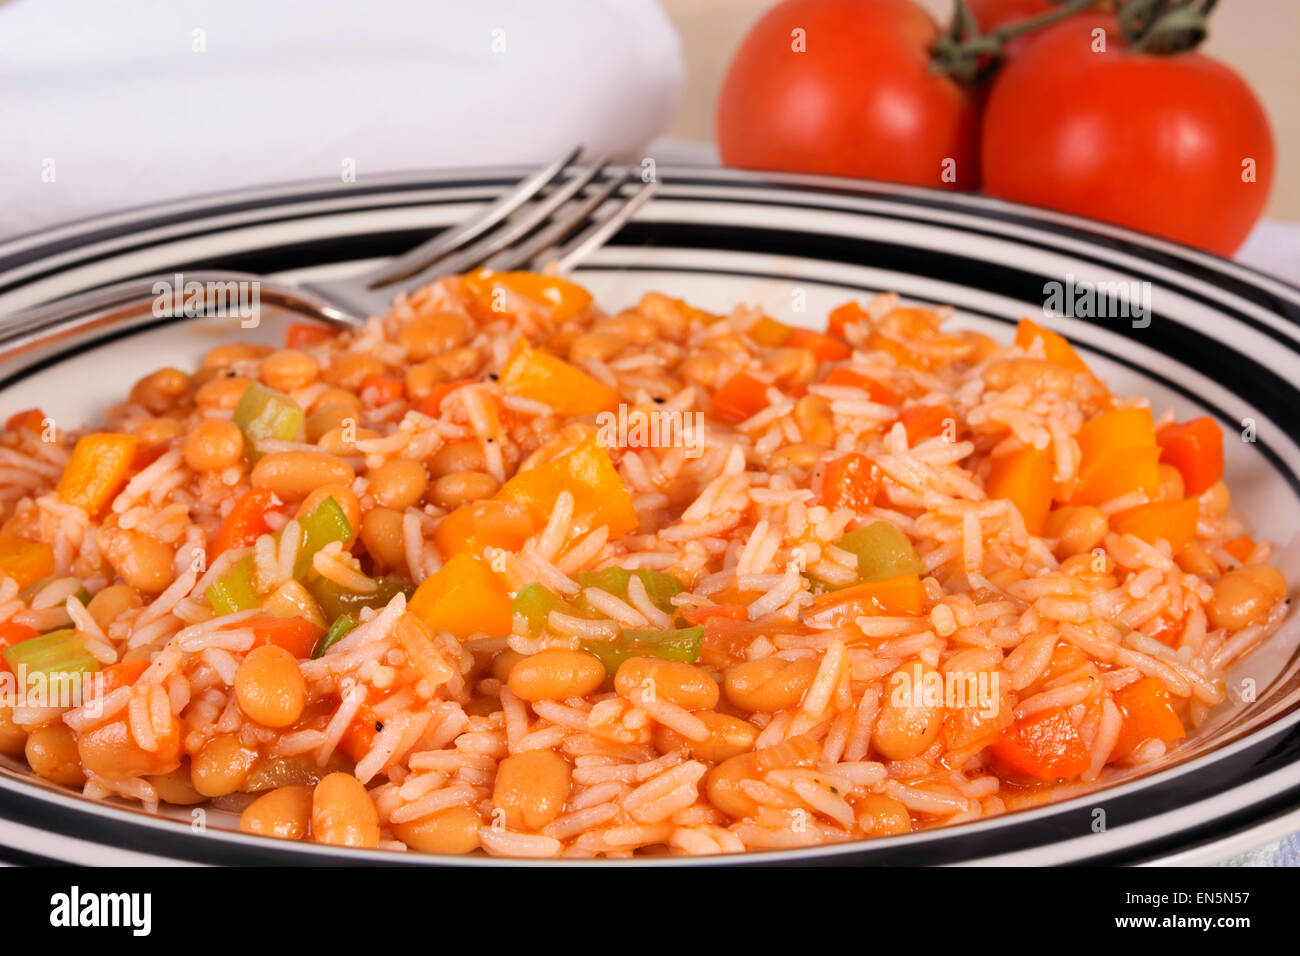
(52, 754)
(674, 681)
(597, 346)
(556, 674)
(502, 662)
(462, 487)
(176, 787)
(112, 602)
(343, 441)
(630, 327)
(421, 378)
(1076, 528)
(982, 346)
(292, 599)
(155, 431)
(428, 335)
(769, 684)
(457, 456)
(1170, 487)
(458, 363)
(804, 457)
(381, 533)
(345, 499)
(214, 444)
(1038, 374)
(350, 369)
(161, 390)
(454, 830)
(221, 766)
(728, 737)
(906, 725)
(142, 561)
(296, 474)
(109, 750)
(700, 370)
(224, 356)
(667, 313)
(793, 366)
(1216, 500)
(1245, 595)
(327, 418)
(722, 785)
(13, 739)
(285, 813)
(342, 813)
(269, 686)
(335, 396)
(880, 815)
(288, 370)
(531, 788)
(398, 484)
(223, 392)
(1194, 559)
(812, 414)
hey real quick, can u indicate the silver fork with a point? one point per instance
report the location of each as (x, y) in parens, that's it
(538, 222)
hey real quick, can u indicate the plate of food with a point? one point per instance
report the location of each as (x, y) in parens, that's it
(805, 521)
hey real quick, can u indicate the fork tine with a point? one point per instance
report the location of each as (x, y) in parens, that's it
(567, 222)
(595, 236)
(514, 230)
(419, 258)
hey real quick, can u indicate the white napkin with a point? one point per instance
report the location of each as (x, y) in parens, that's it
(112, 105)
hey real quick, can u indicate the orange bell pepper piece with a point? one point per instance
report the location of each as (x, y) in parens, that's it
(1129, 470)
(296, 635)
(695, 614)
(245, 523)
(901, 353)
(465, 597)
(12, 633)
(1174, 521)
(97, 470)
(431, 404)
(925, 421)
(1056, 347)
(1195, 448)
(903, 596)
(842, 316)
(823, 347)
(25, 561)
(768, 333)
(121, 674)
(33, 419)
(538, 375)
(565, 300)
(740, 397)
(1025, 478)
(851, 481)
(1044, 745)
(586, 472)
(300, 334)
(378, 390)
(1148, 712)
(1103, 435)
(1241, 548)
(488, 523)
(877, 392)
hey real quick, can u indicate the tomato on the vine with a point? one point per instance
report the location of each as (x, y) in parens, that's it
(845, 88)
(1175, 145)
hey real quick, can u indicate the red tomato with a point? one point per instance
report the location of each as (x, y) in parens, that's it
(859, 100)
(1155, 143)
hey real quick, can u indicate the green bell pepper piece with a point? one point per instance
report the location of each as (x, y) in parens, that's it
(234, 590)
(322, 525)
(265, 413)
(681, 644)
(338, 630)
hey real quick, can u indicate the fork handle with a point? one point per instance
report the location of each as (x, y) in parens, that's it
(134, 302)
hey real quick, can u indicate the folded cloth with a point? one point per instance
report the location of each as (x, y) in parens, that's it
(112, 105)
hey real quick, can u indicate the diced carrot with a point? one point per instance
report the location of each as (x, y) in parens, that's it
(121, 674)
(379, 390)
(300, 334)
(359, 738)
(902, 595)
(877, 392)
(979, 719)
(1241, 548)
(1066, 657)
(699, 613)
(246, 521)
(842, 316)
(33, 419)
(901, 353)
(25, 561)
(1148, 713)
(1174, 521)
(926, 421)
(538, 375)
(1045, 745)
(823, 347)
(1056, 348)
(851, 481)
(488, 523)
(296, 635)
(768, 333)
(97, 470)
(11, 633)
(1126, 471)
(465, 597)
(1164, 630)
(740, 397)
(1195, 448)
(431, 404)
(588, 474)
(1025, 478)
